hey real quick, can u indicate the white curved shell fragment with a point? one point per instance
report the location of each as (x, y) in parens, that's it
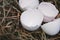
(31, 19)
(48, 10)
(28, 4)
(51, 28)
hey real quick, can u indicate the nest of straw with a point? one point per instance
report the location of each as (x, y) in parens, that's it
(10, 27)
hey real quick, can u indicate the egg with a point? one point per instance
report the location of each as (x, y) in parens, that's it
(31, 19)
(28, 4)
(51, 28)
(49, 11)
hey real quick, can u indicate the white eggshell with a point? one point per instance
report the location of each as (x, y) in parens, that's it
(51, 28)
(49, 11)
(58, 21)
(31, 19)
(28, 4)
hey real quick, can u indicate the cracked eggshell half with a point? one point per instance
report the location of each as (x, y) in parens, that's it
(51, 28)
(49, 11)
(31, 19)
(28, 4)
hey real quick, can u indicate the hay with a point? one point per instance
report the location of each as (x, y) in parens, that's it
(10, 27)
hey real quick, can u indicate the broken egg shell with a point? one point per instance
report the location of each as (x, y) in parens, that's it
(51, 28)
(49, 11)
(31, 19)
(28, 4)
